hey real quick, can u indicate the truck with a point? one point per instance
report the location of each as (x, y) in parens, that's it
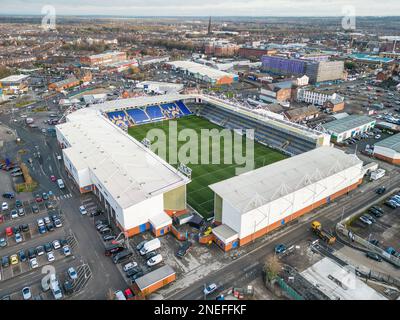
(150, 246)
(60, 183)
(324, 235)
(377, 174)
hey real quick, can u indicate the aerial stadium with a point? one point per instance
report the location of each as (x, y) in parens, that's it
(107, 150)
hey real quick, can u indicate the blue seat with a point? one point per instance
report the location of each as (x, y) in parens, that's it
(155, 113)
(119, 118)
(183, 107)
(138, 115)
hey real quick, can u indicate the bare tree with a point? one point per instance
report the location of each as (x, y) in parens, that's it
(272, 267)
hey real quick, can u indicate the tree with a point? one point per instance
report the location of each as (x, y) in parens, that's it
(272, 267)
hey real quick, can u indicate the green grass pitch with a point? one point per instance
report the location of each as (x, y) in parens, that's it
(199, 195)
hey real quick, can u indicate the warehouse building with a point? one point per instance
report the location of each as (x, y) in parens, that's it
(388, 149)
(104, 58)
(67, 83)
(203, 73)
(252, 204)
(139, 190)
(348, 127)
(154, 280)
(15, 84)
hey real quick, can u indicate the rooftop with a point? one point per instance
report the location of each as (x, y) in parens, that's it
(14, 78)
(130, 172)
(347, 123)
(393, 142)
(201, 69)
(255, 188)
(154, 276)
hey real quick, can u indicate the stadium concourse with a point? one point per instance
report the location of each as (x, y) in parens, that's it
(142, 191)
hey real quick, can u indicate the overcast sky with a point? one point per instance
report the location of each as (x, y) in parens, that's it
(203, 7)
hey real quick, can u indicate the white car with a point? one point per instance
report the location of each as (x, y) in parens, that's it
(4, 206)
(66, 251)
(40, 222)
(33, 262)
(26, 293)
(18, 238)
(378, 136)
(365, 220)
(210, 288)
(155, 260)
(72, 273)
(14, 214)
(82, 210)
(56, 244)
(50, 256)
(129, 266)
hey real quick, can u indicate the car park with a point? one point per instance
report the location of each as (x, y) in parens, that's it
(72, 273)
(33, 263)
(373, 256)
(26, 293)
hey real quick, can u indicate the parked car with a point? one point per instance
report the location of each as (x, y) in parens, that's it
(22, 255)
(280, 248)
(129, 266)
(18, 204)
(365, 220)
(33, 263)
(133, 271)
(14, 214)
(105, 230)
(42, 229)
(18, 238)
(140, 245)
(210, 289)
(9, 231)
(50, 256)
(57, 223)
(48, 247)
(3, 242)
(26, 293)
(137, 275)
(184, 249)
(391, 251)
(53, 178)
(31, 253)
(4, 206)
(39, 250)
(56, 244)
(82, 210)
(35, 208)
(45, 196)
(154, 260)
(373, 256)
(150, 255)
(9, 195)
(14, 259)
(390, 204)
(380, 190)
(21, 212)
(374, 242)
(66, 250)
(371, 218)
(40, 222)
(25, 228)
(108, 237)
(38, 198)
(72, 273)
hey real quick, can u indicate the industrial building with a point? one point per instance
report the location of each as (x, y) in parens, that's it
(67, 83)
(388, 149)
(139, 190)
(15, 84)
(252, 204)
(348, 127)
(103, 58)
(203, 73)
(154, 280)
(316, 97)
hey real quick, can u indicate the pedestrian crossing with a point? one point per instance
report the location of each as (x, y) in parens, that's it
(63, 196)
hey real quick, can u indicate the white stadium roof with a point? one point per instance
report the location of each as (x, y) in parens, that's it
(130, 172)
(255, 188)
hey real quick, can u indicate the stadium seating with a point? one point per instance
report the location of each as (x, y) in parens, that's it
(183, 107)
(154, 112)
(171, 110)
(119, 118)
(138, 115)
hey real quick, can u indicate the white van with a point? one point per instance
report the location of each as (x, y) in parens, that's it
(119, 295)
(60, 183)
(150, 246)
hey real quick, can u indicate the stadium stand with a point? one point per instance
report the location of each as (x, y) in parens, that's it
(171, 110)
(154, 112)
(138, 115)
(185, 110)
(267, 133)
(119, 118)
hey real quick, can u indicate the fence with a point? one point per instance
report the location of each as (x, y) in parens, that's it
(288, 289)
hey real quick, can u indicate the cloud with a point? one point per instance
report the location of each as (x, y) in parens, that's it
(203, 7)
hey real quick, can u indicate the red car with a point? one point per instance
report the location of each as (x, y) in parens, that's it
(128, 294)
(38, 198)
(53, 178)
(9, 231)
